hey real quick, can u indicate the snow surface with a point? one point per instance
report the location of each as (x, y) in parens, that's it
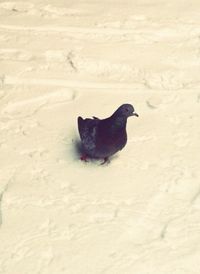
(140, 214)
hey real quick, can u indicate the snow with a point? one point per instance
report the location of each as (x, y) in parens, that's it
(138, 214)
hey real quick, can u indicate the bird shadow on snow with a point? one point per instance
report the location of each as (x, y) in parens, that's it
(78, 149)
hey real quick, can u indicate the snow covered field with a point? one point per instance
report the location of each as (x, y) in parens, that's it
(140, 214)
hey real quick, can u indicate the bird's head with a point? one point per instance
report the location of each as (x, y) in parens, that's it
(126, 110)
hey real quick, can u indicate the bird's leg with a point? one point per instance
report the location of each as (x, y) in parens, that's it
(83, 157)
(106, 160)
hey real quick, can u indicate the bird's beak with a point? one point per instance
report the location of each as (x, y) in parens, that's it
(135, 114)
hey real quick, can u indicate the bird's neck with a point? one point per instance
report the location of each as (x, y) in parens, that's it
(119, 123)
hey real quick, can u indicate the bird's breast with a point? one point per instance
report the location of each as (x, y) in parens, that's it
(120, 140)
(113, 142)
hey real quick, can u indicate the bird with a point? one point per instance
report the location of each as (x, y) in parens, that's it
(102, 138)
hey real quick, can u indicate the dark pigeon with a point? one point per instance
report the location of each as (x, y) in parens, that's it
(103, 138)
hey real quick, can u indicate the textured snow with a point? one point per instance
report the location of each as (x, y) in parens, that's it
(138, 214)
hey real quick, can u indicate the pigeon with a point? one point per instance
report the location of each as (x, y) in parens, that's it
(102, 138)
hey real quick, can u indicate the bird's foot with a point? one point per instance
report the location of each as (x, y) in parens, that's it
(106, 160)
(83, 158)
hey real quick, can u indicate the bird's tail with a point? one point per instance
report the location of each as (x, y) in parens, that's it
(80, 125)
